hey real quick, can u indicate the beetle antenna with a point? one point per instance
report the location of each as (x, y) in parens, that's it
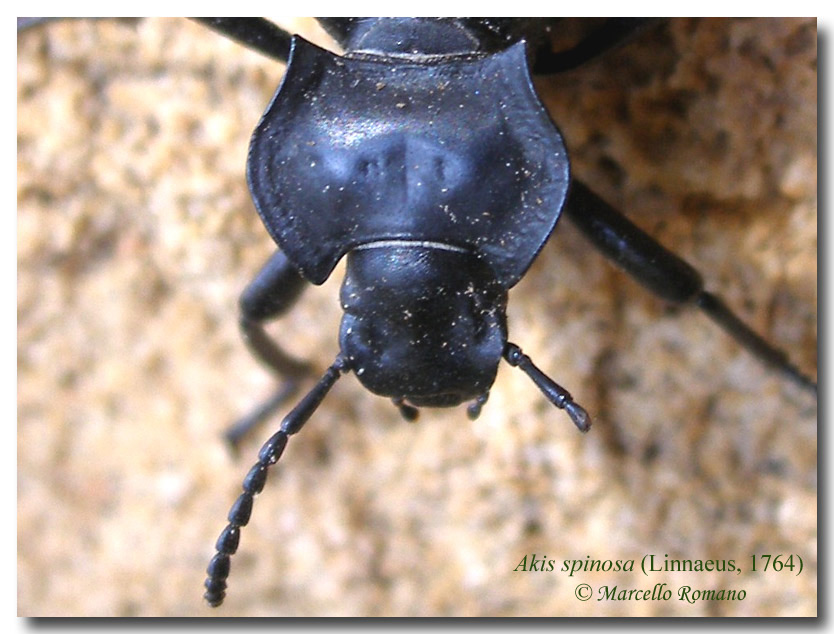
(253, 483)
(554, 392)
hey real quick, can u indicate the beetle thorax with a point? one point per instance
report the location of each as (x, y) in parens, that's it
(404, 36)
(423, 321)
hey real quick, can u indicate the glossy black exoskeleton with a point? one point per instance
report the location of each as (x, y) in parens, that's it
(397, 184)
(423, 156)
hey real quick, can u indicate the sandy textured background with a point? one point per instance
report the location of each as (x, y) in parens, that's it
(136, 235)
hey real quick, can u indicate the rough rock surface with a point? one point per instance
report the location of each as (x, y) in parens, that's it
(136, 235)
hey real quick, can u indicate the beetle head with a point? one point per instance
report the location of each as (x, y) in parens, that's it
(424, 322)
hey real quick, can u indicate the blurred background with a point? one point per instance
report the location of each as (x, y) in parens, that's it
(136, 235)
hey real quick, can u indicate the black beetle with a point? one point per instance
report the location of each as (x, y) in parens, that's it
(424, 155)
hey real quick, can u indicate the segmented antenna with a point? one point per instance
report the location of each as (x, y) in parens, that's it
(554, 392)
(253, 483)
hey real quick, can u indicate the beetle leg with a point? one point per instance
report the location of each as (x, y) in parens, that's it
(614, 32)
(665, 274)
(258, 34)
(271, 294)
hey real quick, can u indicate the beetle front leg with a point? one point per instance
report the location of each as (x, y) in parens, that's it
(271, 294)
(666, 274)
